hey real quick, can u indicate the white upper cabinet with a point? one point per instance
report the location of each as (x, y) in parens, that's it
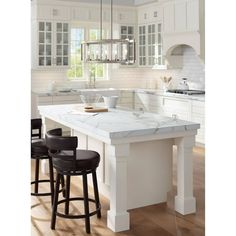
(149, 14)
(45, 12)
(168, 17)
(181, 16)
(192, 15)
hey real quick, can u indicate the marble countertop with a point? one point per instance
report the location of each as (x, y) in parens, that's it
(114, 90)
(116, 123)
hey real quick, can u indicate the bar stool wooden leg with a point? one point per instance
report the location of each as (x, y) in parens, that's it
(54, 209)
(51, 179)
(96, 195)
(67, 202)
(86, 203)
(63, 186)
(36, 175)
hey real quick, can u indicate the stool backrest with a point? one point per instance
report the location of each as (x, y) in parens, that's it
(36, 128)
(62, 149)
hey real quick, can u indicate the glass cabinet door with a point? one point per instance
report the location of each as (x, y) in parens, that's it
(142, 45)
(62, 44)
(151, 34)
(127, 32)
(45, 44)
(159, 45)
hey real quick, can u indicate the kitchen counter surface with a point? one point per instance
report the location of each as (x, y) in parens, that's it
(116, 124)
(116, 91)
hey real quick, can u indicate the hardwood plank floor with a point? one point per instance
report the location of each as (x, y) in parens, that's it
(155, 220)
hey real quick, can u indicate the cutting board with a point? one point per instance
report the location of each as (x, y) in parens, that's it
(96, 109)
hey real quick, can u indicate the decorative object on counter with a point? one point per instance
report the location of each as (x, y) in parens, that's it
(166, 82)
(90, 99)
(110, 101)
(183, 84)
(108, 50)
(92, 78)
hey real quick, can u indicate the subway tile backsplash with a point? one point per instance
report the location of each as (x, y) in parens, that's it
(132, 77)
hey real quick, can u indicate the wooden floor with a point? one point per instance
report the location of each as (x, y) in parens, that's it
(155, 220)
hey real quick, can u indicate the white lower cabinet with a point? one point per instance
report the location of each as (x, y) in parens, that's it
(183, 108)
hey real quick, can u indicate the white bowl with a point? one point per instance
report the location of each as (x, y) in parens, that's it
(110, 101)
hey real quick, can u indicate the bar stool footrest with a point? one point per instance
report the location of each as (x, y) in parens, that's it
(77, 216)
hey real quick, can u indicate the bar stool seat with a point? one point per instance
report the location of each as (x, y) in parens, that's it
(70, 161)
(39, 149)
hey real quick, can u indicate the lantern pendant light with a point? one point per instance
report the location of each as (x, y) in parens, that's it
(108, 50)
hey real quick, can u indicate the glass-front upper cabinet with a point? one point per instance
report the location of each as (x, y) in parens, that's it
(159, 54)
(127, 32)
(53, 44)
(151, 34)
(142, 45)
(45, 44)
(62, 44)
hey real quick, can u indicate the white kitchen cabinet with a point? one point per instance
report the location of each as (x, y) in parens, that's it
(181, 16)
(193, 15)
(50, 44)
(168, 17)
(198, 115)
(128, 32)
(49, 12)
(148, 44)
(125, 16)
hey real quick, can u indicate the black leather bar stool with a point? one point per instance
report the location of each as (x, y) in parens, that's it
(69, 161)
(39, 151)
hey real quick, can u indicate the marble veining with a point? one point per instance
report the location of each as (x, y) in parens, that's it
(116, 123)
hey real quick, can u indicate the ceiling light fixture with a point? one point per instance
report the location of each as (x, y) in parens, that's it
(108, 50)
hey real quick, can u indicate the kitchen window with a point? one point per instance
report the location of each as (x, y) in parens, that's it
(79, 70)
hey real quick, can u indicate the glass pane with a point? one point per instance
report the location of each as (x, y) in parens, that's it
(65, 50)
(130, 36)
(65, 61)
(59, 38)
(48, 50)
(48, 61)
(159, 60)
(140, 30)
(41, 49)
(159, 27)
(153, 39)
(65, 38)
(149, 29)
(41, 26)
(123, 36)
(41, 61)
(59, 50)
(144, 41)
(149, 39)
(48, 26)
(144, 53)
(41, 37)
(130, 30)
(123, 29)
(149, 50)
(153, 28)
(144, 30)
(48, 38)
(144, 61)
(159, 50)
(65, 27)
(159, 38)
(59, 61)
(59, 27)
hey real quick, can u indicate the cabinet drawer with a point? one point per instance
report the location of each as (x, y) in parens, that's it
(176, 105)
(198, 108)
(44, 100)
(61, 99)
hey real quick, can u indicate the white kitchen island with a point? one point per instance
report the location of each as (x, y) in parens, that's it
(136, 156)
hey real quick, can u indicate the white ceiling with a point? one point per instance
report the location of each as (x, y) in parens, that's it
(116, 2)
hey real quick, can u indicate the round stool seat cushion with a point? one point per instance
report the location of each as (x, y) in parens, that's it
(85, 160)
(39, 149)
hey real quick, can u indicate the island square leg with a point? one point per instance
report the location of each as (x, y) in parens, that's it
(117, 216)
(185, 203)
